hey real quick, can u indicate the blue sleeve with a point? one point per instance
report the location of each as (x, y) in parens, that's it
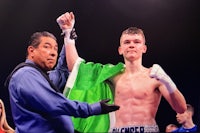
(60, 74)
(175, 131)
(35, 94)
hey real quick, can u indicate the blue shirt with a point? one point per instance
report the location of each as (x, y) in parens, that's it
(184, 130)
(37, 108)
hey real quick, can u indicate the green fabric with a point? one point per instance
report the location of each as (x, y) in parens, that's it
(91, 85)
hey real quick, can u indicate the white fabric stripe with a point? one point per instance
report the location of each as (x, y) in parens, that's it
(72, 77)
(112, 121)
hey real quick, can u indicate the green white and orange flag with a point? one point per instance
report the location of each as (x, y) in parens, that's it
(88, 82)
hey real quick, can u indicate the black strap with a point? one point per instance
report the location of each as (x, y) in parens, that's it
(34, 66)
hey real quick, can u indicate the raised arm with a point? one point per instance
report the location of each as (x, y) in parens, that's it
(169, 89)
(66, 22)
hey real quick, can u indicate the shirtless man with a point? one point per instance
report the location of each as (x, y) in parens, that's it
(138, 90)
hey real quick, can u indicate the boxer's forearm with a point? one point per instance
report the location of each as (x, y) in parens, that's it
(178, 101)
(71, 55)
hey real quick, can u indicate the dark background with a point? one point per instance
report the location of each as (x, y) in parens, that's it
(171, 27)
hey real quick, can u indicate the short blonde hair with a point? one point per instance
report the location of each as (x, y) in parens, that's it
(133, 30)
(190, 108)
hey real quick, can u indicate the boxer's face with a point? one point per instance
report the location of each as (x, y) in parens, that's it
(132, 46)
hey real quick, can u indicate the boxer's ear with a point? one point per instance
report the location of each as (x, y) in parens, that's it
(144, 49)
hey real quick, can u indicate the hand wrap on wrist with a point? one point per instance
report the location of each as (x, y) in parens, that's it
(69, 36)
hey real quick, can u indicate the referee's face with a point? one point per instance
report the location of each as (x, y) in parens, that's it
(45, 55)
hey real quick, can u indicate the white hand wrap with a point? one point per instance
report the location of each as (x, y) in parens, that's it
(158, 73)
(67, 39)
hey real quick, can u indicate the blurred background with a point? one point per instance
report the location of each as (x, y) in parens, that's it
(171, 28)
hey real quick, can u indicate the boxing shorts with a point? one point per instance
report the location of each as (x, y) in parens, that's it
(136, 129)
